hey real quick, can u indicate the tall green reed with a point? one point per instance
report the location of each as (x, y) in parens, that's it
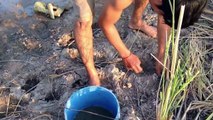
(174, 90)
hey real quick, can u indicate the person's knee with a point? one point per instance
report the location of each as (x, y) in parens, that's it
(83, 25)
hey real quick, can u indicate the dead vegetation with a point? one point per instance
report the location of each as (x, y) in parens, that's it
(37, 75)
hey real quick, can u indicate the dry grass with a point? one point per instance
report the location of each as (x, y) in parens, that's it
(202, 88)
(193, 52)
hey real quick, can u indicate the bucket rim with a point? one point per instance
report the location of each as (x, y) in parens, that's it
(117, 117)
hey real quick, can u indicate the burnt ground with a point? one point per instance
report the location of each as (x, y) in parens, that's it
(38, 73)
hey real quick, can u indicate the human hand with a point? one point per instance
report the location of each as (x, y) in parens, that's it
(132, 62)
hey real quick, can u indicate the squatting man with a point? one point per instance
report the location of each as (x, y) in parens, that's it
(110, 15)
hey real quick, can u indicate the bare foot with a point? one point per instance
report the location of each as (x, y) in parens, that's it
(94, 79)
(94, 82)
(142, 26)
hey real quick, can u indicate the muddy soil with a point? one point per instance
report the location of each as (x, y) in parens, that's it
(39, 71)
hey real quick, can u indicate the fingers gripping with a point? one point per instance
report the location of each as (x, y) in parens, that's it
(132, 62)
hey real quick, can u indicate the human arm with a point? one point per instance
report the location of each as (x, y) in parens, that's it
(108, 18)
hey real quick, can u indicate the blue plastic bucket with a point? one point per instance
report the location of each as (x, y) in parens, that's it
(91, 96)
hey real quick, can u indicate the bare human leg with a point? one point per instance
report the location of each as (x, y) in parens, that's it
(84, 40)
(136, 21)
(163, 31)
